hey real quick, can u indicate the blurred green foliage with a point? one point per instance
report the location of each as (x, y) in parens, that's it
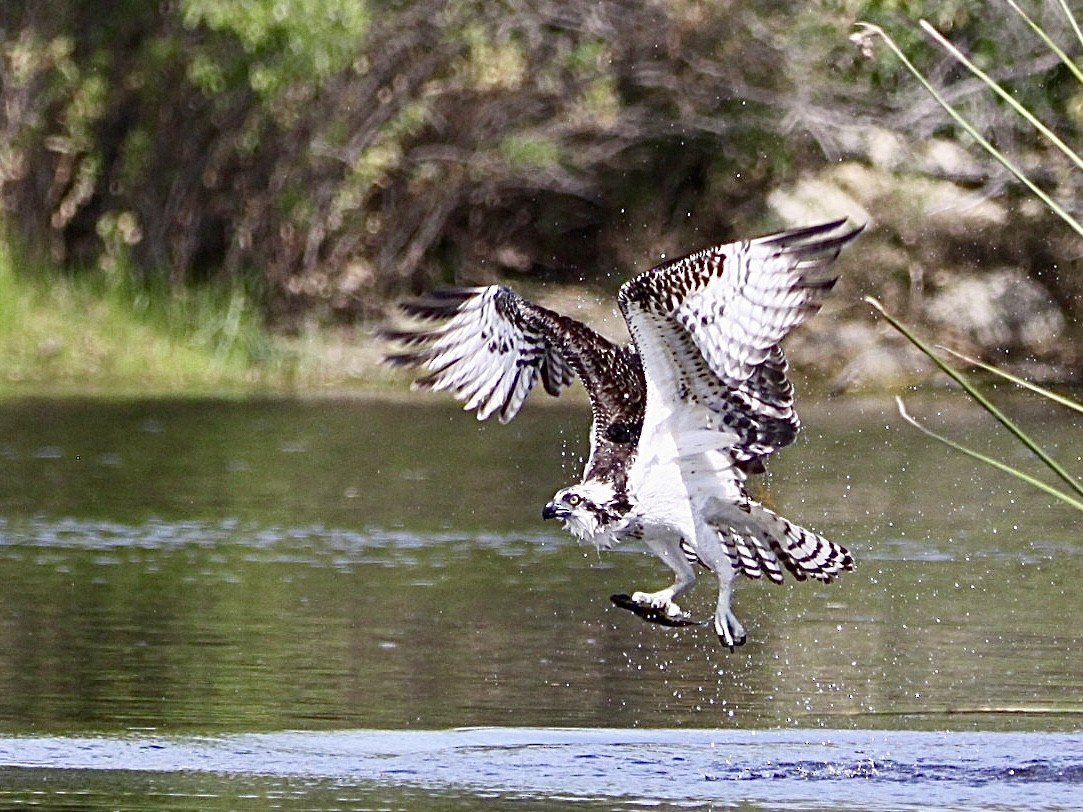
(343, 152)
(282, 42)
(332, 155)
(995, 39)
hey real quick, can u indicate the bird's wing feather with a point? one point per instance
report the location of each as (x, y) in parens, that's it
(488, 346)
(708, 325)
(476, 344)
(768, 287)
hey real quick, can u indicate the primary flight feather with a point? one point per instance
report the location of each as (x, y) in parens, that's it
(680, 416)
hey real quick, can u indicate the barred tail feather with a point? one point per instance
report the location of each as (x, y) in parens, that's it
(775, 542)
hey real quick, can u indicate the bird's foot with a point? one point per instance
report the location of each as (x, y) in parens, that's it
(655, 607)
(729, 630)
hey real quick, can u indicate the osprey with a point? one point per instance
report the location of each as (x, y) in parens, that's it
(680, 416)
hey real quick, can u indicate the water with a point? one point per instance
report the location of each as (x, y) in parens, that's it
(329, 605)
(516, 768)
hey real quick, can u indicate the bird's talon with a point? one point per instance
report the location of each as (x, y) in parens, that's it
(652, 610)
(730, 633)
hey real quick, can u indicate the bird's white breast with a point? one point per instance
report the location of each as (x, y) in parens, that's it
(680, 467)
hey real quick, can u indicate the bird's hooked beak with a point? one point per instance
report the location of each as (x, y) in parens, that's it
(552, 510)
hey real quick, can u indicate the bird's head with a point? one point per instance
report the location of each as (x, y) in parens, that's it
(587, 509)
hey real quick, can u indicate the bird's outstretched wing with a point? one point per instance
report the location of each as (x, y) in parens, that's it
(478, 344)
(708, 325)
(488, 346)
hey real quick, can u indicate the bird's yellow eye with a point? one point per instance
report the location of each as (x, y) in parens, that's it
(573, 499)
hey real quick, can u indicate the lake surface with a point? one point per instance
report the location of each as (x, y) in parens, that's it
(356, 605)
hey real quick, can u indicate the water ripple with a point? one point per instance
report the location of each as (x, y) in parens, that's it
(796, 769)
(314, 542)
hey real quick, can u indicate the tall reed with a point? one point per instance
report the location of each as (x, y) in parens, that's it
(1073, 495)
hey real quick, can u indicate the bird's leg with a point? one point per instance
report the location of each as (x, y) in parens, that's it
(726, 625)
(712, 554)
(659, 607)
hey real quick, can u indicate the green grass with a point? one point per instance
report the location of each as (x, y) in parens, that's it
(105, 332)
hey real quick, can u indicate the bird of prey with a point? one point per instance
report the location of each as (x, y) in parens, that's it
(681, 415)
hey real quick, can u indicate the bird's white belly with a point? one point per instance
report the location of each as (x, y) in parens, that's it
(679, 466)
(671, 485)
(668, 487)
(662, 500)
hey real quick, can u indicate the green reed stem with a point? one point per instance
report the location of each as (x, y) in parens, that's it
(1037, 483)
(1037, 29)
(979, 398)
(993, 85)
(973, 132)
(1033, 387)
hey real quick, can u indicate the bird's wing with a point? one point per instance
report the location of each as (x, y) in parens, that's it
(708, 325)
(476, 343)
(488, 346)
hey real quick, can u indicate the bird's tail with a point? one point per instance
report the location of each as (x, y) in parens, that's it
(765, 543)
